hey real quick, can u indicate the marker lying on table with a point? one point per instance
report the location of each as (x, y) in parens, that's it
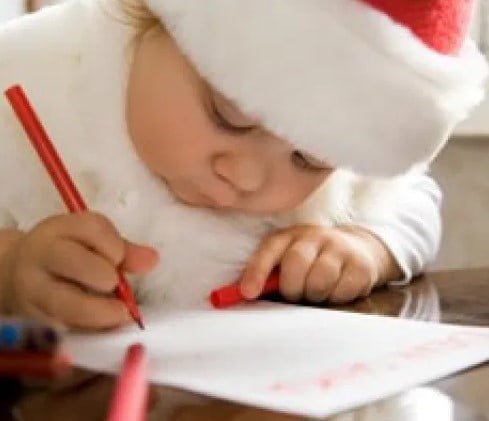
(231, 294)
(62, 180)
(27, 335)
(130, 397)
(33, 364)
(29, 348)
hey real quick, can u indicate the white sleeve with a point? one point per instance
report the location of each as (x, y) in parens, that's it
(412, 229)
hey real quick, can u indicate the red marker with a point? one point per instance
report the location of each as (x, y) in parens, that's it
(130, 398)
(33, 364)
(231, 294)
(62, 180)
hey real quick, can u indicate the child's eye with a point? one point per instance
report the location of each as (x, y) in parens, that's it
(223, 123)
(304, 162)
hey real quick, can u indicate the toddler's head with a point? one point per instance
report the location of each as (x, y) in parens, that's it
(209, 152)
(249, 105)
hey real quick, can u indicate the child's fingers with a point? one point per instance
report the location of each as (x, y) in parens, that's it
(295, 266)
(323, 277)
(262, 263)
(139, 259)
(36, 313)
(353, 282)
(71, 260)
(78, 309)
(96, 232)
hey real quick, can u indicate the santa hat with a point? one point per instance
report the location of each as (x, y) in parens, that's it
(373, 85)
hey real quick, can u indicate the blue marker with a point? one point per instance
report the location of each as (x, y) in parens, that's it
(27, 335)
(10, 335)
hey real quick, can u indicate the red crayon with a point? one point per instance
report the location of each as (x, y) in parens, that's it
(130, 398)
(59, 175)
(33, 364)
(231, 294)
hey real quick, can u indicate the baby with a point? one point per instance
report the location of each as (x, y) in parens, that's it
(217, 140)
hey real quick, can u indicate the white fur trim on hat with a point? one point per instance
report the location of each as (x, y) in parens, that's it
(336, 78)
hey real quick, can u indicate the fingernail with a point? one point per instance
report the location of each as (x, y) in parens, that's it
(150, 257)
(248, 291)
(155, 254)
(151, 250)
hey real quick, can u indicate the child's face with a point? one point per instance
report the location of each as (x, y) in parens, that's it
(208, 152)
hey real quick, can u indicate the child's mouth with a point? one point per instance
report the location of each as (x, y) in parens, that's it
(199, 200)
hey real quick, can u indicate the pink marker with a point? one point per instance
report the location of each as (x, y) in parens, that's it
(130, 399)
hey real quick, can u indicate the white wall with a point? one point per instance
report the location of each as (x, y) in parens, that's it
(463, 172)
(462, 169)
(478, 123)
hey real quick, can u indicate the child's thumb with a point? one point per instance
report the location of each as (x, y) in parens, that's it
(139, 258)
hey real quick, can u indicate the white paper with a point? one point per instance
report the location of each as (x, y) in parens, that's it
(311, 362)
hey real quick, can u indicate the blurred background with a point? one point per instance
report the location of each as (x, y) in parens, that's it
(462, 169)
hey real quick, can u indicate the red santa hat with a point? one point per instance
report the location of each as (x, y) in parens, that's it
(373, 85)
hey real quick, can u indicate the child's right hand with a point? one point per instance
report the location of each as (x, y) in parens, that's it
(65, 269)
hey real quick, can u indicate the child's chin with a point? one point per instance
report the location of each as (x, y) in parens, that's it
(198, 201)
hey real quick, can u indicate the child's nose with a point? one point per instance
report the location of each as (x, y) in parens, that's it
(244, 173)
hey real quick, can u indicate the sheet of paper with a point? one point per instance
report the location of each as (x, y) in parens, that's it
(304, 361)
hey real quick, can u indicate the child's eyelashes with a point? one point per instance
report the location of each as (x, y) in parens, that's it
(223, 123)
(303, 161)
(228, 118)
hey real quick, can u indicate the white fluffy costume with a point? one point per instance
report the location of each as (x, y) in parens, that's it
(73, 62)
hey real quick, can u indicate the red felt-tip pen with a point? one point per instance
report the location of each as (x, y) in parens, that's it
(130, 397)
(33, 364)
(59, 175)
(231, 294)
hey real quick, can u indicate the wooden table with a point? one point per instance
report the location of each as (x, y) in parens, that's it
(460, 297)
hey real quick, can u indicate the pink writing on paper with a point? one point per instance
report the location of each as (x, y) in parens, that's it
(451, 343)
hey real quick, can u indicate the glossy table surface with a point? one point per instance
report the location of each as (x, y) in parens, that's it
(460, 297)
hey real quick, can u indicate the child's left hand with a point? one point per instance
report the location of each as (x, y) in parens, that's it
(319, 264)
